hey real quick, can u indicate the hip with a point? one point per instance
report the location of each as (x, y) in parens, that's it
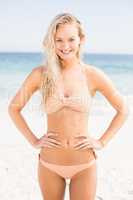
(67, 155)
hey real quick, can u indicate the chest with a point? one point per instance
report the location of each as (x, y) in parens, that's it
(73, 83)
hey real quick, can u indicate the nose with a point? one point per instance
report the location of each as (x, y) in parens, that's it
(65, 46)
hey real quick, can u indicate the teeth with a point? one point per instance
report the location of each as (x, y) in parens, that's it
(66, 52)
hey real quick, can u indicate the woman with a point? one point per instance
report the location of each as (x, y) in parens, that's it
(68, 86)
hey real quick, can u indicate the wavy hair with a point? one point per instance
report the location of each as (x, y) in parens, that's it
(53, 65)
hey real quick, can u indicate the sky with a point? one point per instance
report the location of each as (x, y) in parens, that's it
(108, 24)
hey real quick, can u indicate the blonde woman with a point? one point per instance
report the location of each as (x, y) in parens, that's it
(68, 86)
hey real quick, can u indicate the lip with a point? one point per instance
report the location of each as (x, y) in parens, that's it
(65, 52)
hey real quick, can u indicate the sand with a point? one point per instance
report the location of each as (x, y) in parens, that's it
(19, 160)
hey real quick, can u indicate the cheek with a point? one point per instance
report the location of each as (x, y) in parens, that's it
(57, 45)
(75, 45)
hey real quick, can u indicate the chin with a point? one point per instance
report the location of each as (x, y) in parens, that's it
(67, 57)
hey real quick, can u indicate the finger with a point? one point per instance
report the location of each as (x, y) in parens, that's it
(48, 136)
(81, 142)
(83, 145)
(80, 136)
(51, 134)
(53, 141)
(52, 144)
(87, 147)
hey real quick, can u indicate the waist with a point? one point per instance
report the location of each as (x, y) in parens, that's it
(67, 155)
(68, 125)
(68, 140)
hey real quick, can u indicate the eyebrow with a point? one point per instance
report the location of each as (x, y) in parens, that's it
(61, 38)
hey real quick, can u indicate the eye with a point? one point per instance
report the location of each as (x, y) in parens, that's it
(58, 40)
(71, 39)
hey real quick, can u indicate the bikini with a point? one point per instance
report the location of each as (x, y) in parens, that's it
(79, 101)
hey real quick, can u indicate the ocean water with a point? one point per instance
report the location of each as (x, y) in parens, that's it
(118, 67)
(14, 67)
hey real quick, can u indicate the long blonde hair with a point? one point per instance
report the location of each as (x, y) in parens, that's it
(52, 61)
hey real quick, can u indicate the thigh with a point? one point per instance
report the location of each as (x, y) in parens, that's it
(83, 185)
(51, 184)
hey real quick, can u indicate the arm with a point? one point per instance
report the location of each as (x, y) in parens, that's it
(104, 85)
(31, 84)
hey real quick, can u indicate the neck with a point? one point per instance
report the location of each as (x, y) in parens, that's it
(68, 64)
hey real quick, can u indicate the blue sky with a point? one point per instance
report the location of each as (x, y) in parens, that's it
(108, 24)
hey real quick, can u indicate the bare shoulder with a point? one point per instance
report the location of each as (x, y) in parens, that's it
(39, 70)
(37, 74)
(103, 84)
(98, 77)
(92, 74)
(93, 71)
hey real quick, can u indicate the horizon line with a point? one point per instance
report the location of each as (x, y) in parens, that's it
(86, 52)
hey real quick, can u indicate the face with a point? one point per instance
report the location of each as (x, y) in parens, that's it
(67, 41)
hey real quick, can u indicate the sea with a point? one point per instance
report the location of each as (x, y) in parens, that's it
(15, 67)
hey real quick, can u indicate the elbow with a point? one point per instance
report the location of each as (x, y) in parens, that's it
(12, 110)
(124, 111)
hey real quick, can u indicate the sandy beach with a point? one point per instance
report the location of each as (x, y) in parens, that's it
(19, 160)
(106, 43)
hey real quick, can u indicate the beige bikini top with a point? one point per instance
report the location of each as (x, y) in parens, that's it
(79, 100)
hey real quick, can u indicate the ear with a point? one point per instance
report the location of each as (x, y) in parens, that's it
(82, 40)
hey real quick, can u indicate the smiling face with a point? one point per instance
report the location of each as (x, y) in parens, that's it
(67, 41)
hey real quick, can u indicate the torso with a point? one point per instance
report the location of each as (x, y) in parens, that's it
(69, 123)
